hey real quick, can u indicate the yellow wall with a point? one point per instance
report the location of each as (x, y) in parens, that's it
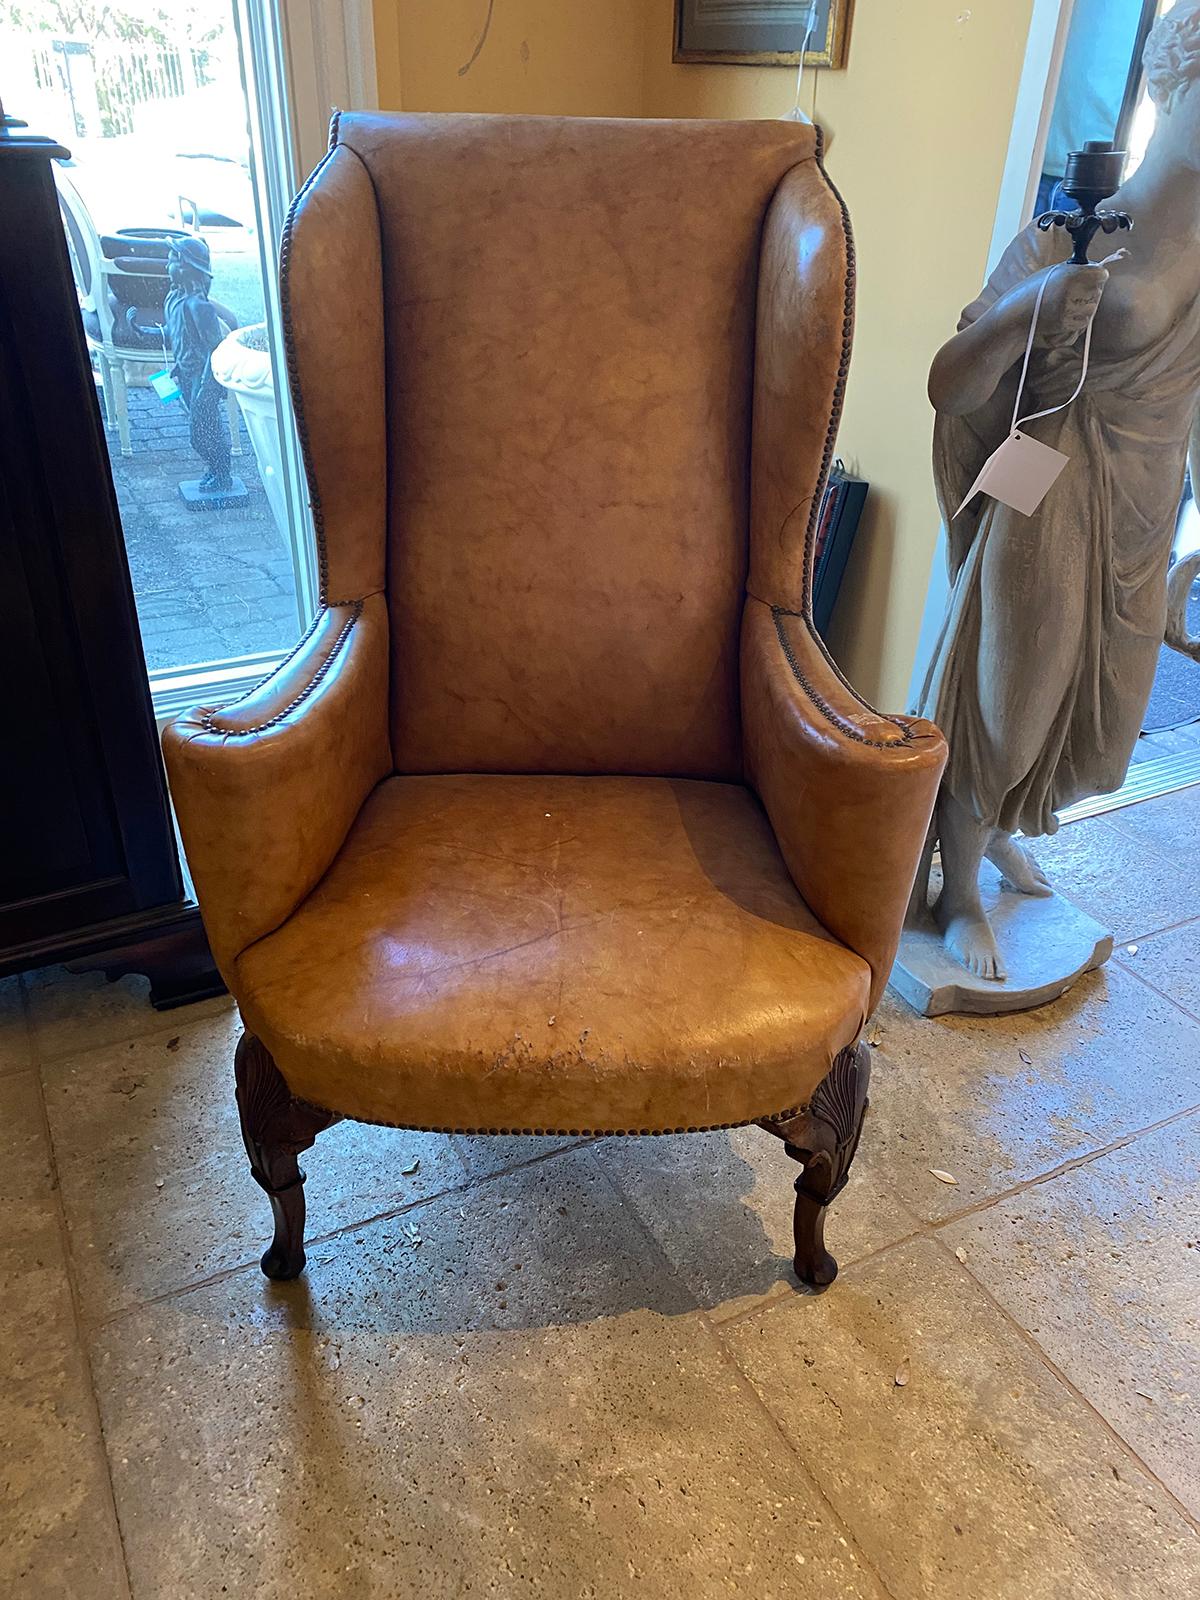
(564, 57)
(918, 127)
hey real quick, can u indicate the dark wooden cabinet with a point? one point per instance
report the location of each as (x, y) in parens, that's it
(88, 864)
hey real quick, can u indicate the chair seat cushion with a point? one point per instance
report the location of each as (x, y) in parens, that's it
(554, 954)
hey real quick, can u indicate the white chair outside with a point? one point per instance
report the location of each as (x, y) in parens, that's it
(119, 360)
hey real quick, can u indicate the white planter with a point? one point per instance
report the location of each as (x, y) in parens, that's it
(246, 372)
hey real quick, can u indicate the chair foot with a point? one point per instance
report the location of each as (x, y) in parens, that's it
(824, 1138)
(106, 383)
(275, 1129)
(121, 406)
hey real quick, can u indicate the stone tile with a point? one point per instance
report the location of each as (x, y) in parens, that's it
(1171, 962)
(1116, 879)
(73, 1011)
(16, 1048)
(522, 1404)
(1170, 825)
(58, 1534)
(1102, 1266)
(720, 1206)
(484, 1153)
(955, 1093)
(155, 1184)
(982, 1476)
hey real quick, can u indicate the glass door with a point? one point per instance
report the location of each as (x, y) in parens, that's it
(1102, 94)
(171, 201)
(1168, 753)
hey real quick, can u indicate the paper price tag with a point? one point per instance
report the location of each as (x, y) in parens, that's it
(1019, 474)
(164, 386)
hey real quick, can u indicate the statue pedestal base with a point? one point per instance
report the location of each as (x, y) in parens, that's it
(197, 499)
(1046, 944)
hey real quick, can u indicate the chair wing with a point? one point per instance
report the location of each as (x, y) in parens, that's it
(331, 292)
(848, 791)
(266, 788)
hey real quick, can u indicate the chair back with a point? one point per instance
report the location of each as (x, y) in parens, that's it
(83, 247)
(568, 329)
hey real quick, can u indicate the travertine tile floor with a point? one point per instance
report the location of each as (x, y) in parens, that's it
(573, 1369)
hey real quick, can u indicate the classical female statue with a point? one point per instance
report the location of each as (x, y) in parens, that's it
(1044, 666)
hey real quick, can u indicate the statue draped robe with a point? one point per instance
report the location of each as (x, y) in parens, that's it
(1101, 540)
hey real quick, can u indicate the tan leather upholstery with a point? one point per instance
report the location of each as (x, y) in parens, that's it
(603, 954)
(570, 345)
(333, 304)
(483, 855)
(803, 331)
(266, 791)
(845, 788)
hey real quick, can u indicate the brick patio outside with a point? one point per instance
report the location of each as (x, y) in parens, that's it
(209, 584)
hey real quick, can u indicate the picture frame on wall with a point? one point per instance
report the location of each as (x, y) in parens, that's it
(760, 33)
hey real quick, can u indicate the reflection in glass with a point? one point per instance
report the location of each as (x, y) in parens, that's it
(158, 204)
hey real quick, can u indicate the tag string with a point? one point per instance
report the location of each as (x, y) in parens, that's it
(1018, 420)
(796, 114)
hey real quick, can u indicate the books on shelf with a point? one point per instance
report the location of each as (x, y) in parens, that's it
(837, 525)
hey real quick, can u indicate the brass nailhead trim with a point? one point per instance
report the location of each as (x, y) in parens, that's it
(290, 360)
(253, 690)
(840, 722)
(562, 1133)
(837, 403)
(209, 721)
(209, 717)
(839, 389)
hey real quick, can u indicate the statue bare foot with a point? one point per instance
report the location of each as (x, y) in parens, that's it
(967, 935)
(1017, 865)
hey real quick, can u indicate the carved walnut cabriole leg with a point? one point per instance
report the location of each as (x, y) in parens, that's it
(276, 1128)
(824, 1137)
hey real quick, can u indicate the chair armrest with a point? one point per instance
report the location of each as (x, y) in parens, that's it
(266, 789)
(849, 792)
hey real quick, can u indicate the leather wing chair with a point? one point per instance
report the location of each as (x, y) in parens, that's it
(559, 819)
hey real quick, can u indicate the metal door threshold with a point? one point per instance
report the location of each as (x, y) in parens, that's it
(1145, 780)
